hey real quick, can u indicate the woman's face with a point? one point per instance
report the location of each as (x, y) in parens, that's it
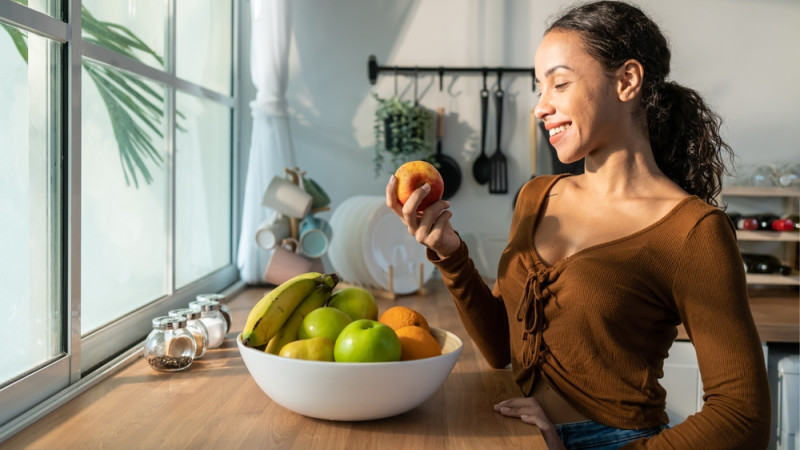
(578, 100)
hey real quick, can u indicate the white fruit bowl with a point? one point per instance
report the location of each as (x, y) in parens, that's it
(351, 391)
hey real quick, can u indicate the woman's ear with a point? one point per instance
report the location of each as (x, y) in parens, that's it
(629, 80)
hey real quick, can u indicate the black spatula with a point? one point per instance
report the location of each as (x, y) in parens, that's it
(498, 183)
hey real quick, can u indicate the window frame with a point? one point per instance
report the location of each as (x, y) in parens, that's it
(90, 358)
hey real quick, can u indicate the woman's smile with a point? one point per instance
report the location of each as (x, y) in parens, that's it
(557, 132)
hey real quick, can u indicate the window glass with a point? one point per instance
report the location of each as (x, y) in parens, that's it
(31, 325)
(50, 7)
(124, 217)
(204, 42)
(203, 188)
(134, 28)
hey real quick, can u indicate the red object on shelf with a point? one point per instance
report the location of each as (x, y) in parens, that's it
(747, 223)
(783, 225)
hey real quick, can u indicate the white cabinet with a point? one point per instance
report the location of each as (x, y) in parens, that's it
(683, 383)
(785, 245)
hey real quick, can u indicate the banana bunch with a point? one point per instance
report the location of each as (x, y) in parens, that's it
(269, 316)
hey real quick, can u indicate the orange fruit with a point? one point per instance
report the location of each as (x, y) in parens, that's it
(417, 343)
(398, 317)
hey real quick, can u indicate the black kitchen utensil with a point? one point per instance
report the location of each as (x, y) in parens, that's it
(482, 168)
(447, 166)
(498, 183)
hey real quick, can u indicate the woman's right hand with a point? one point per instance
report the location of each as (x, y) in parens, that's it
(432, 228)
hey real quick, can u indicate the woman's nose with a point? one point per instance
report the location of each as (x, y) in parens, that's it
(543, 107)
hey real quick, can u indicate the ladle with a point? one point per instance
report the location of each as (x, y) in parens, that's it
(481, 168)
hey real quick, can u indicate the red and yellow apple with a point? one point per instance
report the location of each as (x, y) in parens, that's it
(412, 175)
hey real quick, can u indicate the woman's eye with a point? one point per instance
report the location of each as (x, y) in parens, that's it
(561, 86)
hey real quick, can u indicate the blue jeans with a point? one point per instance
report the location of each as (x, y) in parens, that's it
(592, 435)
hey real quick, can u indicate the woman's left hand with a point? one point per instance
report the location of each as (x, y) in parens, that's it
(528, 410)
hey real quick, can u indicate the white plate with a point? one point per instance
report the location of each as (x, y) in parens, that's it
(387, 242)
(367, 206)
(338, 252)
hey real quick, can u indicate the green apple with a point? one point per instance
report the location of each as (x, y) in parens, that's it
(315, 349)
(367, 340)
(324, 322)
(356, 302)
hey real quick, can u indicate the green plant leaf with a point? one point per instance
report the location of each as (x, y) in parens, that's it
(407, 127)
(20, 41)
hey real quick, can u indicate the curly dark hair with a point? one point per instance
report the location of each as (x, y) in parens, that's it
(684, 131)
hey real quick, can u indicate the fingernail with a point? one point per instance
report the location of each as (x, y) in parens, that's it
(391, 177)
(426, 187)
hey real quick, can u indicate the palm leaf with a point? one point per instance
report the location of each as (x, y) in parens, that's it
(133, 106)
(19, 39)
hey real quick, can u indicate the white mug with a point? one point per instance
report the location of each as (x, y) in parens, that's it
(270, 233)
(286, 262)
(287, 198)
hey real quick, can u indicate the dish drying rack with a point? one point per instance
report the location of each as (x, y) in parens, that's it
(389, 291)
(295, 175)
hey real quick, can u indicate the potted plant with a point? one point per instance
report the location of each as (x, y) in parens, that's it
(403, 130)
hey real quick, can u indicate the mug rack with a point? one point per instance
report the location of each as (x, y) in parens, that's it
(389, 291)
(374, 69)
(295, 175)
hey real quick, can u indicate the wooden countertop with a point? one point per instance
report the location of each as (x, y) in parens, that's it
(776, 314)
(216, 404)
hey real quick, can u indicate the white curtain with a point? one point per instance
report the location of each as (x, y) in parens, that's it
(271, 146)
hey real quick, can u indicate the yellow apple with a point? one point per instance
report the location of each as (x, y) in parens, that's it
(412, 175)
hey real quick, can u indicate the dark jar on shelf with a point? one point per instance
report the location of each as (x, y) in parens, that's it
(758, 263)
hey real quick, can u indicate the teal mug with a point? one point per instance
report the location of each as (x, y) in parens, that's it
(314, 236)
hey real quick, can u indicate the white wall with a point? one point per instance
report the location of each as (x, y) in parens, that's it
(738, 53)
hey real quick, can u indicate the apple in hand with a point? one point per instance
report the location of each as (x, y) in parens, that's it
(412, 175)
(324, 322)
(367, 340)
(315, 349)
(356, 302)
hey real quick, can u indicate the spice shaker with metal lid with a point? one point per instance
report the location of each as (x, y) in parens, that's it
(223, 305)
(213, 319)
(196, 327)
(170, 346)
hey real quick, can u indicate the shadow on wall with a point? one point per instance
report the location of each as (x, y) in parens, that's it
(334, 76)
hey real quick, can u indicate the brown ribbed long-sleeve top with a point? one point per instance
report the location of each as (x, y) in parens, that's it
(597, 326)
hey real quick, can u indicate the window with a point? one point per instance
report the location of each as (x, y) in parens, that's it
(116, 179)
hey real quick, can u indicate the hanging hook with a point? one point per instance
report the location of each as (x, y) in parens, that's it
(395, 81)
(441, 79)
(533, 79)
(485, 72)
(499, 78)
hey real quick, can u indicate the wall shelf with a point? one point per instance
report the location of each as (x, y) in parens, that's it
(785, 245)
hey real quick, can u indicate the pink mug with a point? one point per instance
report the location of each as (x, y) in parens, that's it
(286, 262)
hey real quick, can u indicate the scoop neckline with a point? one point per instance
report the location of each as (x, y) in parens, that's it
(565, 260)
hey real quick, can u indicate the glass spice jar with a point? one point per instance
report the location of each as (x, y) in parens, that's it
(170, 346)
(196, 327)
(223, 305)
(213, 319)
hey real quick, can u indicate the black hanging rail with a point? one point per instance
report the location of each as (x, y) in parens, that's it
(373, 69)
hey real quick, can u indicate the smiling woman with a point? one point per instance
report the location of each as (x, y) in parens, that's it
(600, 268)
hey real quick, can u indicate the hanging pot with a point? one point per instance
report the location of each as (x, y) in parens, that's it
(447, 166)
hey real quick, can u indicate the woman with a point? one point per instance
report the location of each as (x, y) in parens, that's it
(600, 268)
